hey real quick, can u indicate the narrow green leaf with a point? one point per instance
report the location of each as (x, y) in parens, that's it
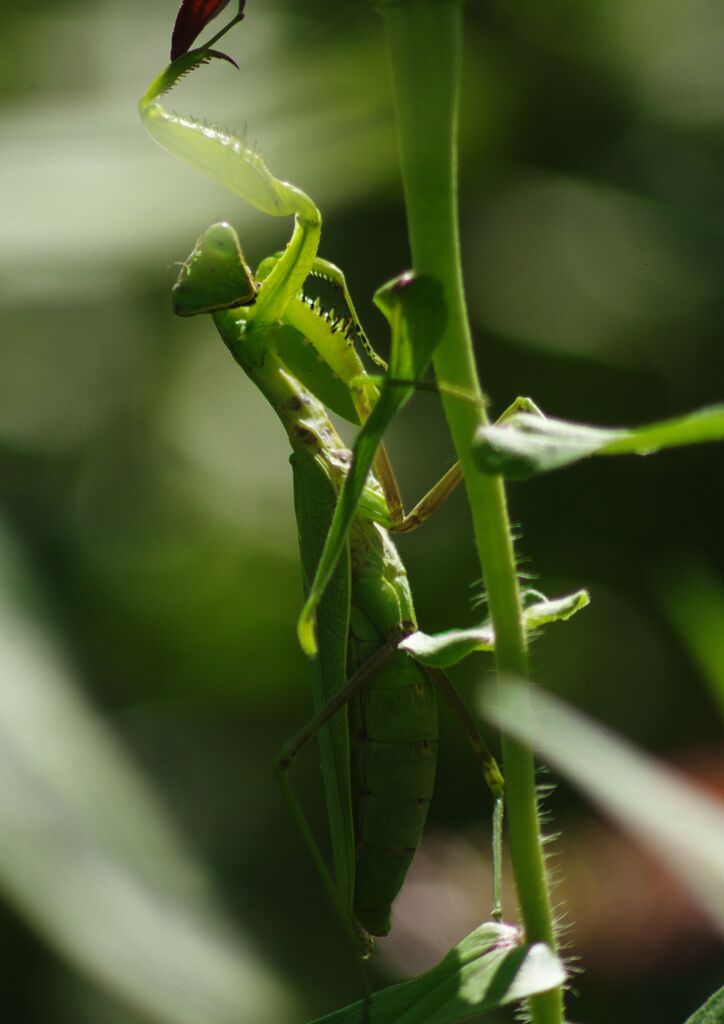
(488, 969)
(441, 650)
(694, 428)
(677, 821)
(712, 1012)
(90, 856)
(415, 310)
(526, 444)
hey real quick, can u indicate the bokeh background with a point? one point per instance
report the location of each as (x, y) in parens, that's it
(149, 581)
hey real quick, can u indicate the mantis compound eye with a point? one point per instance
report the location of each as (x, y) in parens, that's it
(215, 276)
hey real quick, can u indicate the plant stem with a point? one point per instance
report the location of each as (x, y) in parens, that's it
(424, 39)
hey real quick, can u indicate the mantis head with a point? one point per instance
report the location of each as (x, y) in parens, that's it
(215, 276)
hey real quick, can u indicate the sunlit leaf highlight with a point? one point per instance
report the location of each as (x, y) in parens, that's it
(488, 969)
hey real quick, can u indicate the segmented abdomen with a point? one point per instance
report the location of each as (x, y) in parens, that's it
(393, 733)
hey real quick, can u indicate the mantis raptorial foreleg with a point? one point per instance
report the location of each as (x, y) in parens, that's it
(235, 165)
(330, 273)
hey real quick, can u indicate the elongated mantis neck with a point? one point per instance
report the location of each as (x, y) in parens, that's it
(424, 44)
(303, 417)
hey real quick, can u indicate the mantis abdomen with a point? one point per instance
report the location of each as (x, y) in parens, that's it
(393, 731)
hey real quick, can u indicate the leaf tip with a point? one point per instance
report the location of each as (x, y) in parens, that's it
(305, 631)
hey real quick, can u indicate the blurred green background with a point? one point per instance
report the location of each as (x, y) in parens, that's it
(149, 582)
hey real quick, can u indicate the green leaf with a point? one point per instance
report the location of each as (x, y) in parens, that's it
(682, 824)
(527, 444)
(415, 309)
(441, 650)
(488, 969)
(712, 1012)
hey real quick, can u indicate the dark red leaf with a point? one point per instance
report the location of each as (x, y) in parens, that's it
(193, 16)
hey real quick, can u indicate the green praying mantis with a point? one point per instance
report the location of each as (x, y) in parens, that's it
(375, 707)
(373, 671)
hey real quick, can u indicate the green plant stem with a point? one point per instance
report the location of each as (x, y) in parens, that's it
(424, 39)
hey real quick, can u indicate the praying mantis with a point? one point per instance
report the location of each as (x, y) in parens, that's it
(375, 705)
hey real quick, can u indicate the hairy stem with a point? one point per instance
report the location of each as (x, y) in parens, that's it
(424, 45)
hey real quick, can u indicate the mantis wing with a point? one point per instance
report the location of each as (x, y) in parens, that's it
(315, 499)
